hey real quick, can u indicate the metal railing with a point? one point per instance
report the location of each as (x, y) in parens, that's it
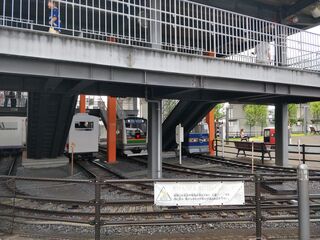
(12, 99)
(173, 25)
(303, 152)
(24, 198)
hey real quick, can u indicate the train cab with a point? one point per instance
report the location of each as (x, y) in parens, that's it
(269, 136)
(12, 134)
(132, 136)
(197, 141)
(83, 135)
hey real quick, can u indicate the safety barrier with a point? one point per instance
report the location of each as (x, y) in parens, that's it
(304, 152)
(36, 199)
(20, 99)
(179, 26)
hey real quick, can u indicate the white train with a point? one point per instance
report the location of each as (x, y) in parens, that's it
(13, 133)
(83, 136)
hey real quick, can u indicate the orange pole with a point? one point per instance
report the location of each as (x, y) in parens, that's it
(111, 130)
(82, 103)
(210, 121)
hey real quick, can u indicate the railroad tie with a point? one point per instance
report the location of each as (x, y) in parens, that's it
(186, 216)
(223, 214)
(204, 215)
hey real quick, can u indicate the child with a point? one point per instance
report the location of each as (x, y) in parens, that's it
(54, 18)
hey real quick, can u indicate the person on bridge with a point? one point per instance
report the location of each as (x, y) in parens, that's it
(54, 18)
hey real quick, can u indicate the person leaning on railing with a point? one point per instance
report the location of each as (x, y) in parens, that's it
(54, 18)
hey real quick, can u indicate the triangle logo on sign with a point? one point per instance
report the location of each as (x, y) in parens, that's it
(163, 195)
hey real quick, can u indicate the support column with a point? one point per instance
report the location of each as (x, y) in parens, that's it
(210, 121)
(82, 103)
(135, 103)
(281, 126)
(111, 130)
(155, 140)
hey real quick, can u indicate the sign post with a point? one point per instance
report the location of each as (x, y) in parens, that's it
(303, 203)
(179, 140)
(252, 158)
(72, 157)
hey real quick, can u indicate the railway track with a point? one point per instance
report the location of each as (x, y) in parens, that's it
(142, 211)
(7, 165)
(261, 168)
(209, 173)
(100, 172)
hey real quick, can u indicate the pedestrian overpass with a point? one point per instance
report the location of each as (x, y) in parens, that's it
(174, 49)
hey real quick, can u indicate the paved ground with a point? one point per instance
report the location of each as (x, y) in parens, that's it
(313, 139)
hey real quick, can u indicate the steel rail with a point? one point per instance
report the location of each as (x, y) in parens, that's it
(92, 170)
(232, 162)
(245, 208)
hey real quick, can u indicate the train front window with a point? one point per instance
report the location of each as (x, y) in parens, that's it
(83, 126)
(267, 133)
(137, 124)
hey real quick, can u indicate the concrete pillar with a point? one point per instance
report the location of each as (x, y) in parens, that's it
(210, 121)
(111, 131)
(282, 135)
(143, 108)
(155, 140)
(82, 103)
(155, 31)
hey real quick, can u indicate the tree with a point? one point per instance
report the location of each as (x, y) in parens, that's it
(262, 115)
(292, 113)
(218, 113)
(256, 114)
(315, 110)
(167, 106)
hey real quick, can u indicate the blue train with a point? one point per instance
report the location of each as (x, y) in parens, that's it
(197, 141)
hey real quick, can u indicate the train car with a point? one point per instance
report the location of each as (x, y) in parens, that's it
(12, 134)
(83, 139)
(132, 136)
(269, 136)
(197, 141)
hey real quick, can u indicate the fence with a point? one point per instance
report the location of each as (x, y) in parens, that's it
(303, 153)
(173, 25)
(24, 198)
(13, 99)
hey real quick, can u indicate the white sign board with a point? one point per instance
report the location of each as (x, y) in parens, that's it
(179, 134)
(198, 193)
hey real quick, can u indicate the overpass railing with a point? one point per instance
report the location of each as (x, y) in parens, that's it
(179, 26)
